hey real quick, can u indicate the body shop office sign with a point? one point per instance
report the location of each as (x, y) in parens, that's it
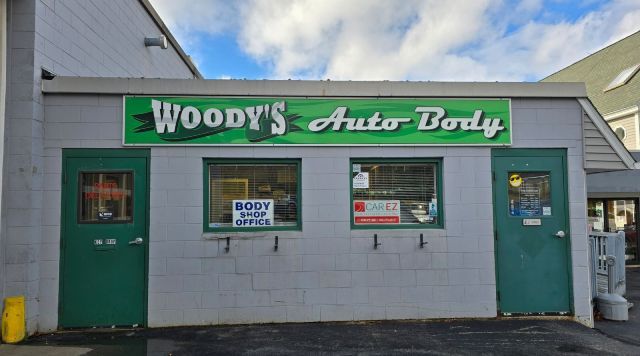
(284, 121)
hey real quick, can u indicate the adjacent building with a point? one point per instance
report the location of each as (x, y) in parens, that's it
(613, 85)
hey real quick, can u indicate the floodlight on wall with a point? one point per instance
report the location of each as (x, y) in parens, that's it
(46, 74)
(160, 41)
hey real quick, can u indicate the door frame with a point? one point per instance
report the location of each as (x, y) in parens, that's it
(533, 152)
(64, 210)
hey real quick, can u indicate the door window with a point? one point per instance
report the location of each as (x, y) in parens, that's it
(105, 197)
(529, 194)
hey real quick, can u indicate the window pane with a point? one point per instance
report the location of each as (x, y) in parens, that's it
(273, 186)
(106, 197)
(622, 217)
(595, 211)
(395, 193)
(529, 194)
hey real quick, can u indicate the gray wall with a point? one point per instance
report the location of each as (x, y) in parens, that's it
(327, 271)
(73, 38)
(98, 38)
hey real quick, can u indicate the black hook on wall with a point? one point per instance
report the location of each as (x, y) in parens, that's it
(375, 242)
(422, 242)
(275, 247)
(226, 248)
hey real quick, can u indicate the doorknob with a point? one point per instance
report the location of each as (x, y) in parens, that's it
(136, 241)
(560, 234)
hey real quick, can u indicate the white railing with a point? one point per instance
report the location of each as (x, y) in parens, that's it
(603, 244)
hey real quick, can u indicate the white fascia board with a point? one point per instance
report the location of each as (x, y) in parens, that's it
(621, 113)
(608, 134)
(307, 88)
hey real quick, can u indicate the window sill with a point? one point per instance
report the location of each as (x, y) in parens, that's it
(408, 232)
(251, 235)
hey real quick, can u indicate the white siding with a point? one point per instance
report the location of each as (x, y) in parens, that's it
(598, 153)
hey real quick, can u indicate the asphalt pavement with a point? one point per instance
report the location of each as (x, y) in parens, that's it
(627, 331)
(434, 337)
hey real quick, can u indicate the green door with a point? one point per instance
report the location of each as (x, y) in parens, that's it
(104, 238)
(532, 231)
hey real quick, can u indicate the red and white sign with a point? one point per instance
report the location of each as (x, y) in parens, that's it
(376, 212)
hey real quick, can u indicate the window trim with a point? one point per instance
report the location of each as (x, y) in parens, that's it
(624, 133)
(249, 161)
(439, 194)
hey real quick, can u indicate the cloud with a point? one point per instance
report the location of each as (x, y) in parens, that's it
(481, 40)
(211, 16)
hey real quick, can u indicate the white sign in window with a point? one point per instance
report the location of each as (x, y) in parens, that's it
(361, 180)
(253, 213)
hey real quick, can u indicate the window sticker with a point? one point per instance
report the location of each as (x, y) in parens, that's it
(515, 180)
(357, 168)
(433, 207)
(376, 212)
(361, 180)
(105, 197)
(529, 194)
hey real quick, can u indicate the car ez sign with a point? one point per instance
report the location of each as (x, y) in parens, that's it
(253, 213)
(294, 121)
(376, 212)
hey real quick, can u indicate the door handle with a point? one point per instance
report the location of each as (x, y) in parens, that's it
(136, 241)
(560, 234)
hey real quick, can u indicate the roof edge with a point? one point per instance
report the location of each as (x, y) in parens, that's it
(588, 56)
(620, 113)
(609, 135)
(165, 30)
(305, 88)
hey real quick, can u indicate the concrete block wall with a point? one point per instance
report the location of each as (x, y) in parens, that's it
(95, 38)
(326, 271)
(22, 198)
(71, 38)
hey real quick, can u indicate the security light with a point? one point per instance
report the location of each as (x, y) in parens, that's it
(160, 41)
(46, 74)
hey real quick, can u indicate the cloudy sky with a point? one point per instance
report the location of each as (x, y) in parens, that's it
(454, 40)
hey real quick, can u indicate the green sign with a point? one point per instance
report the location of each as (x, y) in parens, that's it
(292, 121)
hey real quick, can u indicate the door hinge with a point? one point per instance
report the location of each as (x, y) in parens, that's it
(493, 176)
(495, 234)
(498, 295)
